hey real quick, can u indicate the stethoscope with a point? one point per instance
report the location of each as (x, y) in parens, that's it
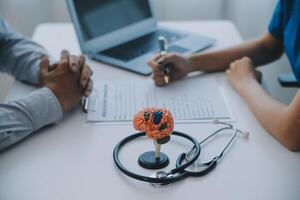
(186, 164)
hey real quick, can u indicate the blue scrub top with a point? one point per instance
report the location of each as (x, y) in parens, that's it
(285, 26)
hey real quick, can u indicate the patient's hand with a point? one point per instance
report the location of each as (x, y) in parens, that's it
(178, 64)
(67, 85)
(76, 64)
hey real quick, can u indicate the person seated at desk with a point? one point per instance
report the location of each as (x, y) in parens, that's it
(281, 121)
(62, 85)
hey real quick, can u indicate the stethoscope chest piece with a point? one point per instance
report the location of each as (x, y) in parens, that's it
(160, 175)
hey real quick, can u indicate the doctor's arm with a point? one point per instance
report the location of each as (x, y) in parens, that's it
(261, 51)
(280, 120)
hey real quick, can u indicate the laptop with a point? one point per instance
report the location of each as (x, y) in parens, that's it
(124, 33)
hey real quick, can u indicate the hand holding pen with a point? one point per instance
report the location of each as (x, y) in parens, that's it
(168, 67)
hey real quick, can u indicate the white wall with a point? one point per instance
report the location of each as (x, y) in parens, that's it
(24, 15)
(251, 16)
(188, 9)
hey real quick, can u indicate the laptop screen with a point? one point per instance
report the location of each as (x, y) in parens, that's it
(99, 17)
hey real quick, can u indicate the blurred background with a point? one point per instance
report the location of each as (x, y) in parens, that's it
(251, 18)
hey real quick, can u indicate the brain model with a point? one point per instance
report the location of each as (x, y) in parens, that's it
(157, 123)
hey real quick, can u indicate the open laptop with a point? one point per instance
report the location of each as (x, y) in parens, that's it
(124, 33)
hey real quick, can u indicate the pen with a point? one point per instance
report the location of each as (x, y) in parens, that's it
(163, 45)
(84, 104)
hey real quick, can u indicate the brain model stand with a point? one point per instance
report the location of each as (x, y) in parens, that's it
(158, 125)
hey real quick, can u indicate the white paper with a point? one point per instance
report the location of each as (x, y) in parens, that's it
(196, 98)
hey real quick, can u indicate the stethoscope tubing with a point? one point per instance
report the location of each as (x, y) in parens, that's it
(210, 165)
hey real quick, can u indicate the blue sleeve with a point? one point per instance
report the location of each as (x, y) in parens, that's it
(276, 25)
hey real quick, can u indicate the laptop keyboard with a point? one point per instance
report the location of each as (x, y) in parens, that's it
(140, 46)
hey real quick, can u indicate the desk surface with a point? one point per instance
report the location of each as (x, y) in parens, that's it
(73, 160)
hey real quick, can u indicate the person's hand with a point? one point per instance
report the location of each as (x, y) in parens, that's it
(62, 82)
(179, 68)
(77, 64)
(241, 72)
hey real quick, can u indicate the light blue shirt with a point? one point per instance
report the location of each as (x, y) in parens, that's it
(19, 118)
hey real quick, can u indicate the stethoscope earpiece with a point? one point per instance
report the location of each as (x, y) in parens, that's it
(246, 135)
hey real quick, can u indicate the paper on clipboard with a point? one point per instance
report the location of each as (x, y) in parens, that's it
(191, 99)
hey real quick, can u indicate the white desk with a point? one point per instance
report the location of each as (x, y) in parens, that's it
(73, 160)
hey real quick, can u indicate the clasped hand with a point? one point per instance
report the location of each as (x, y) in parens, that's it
(69, 79)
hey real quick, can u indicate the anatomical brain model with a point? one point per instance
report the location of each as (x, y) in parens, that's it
(158, 124)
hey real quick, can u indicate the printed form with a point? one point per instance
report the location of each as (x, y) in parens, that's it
(194, 98)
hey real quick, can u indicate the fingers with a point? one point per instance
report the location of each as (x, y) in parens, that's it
(171, 58)
(243, 69)
(154, 64)
(53, 67)
(85, 75)
(89, 88)
(228, 72)
(159, 80)
(64, 58)
(246, 59)
(81, 59)
(231, 68)
(158, 73)
(74, 64)
(44, 66)
(157, 62)
(77, 64)
(233, 65)
(85, 71)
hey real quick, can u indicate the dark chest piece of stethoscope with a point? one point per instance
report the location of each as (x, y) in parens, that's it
(186, 164)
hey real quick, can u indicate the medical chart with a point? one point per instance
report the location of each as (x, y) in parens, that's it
(194, 98)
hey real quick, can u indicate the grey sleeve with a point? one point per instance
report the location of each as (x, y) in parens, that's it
(19, 56)
(19, 118)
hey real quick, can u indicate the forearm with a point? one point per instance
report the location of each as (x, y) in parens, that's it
(20, 118)
(278, 119)
(19, 56)
(260, 51)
